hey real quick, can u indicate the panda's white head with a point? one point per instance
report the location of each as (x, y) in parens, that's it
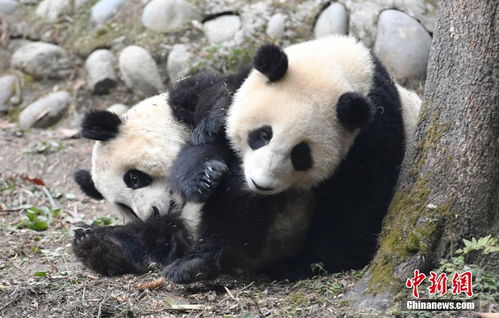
(297, 114)
(132, 157)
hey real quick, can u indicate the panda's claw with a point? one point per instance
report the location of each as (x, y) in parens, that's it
(205, 181)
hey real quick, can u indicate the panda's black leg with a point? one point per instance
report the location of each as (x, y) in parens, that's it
(190, 269)
(197, 171)
(210, 128)
(109, 251)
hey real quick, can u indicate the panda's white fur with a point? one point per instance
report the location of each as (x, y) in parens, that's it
(149, 139)
(411, 105)
(300, 107)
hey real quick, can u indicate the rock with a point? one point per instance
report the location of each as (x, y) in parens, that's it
(139, 71)
(222, 28)
(168, 15)
(15, 100)
(364, 15)
(180, 61)
(276, 25)
(101, 77)
(7, 88)
(42, 60)
(7, 7)
(51, 10)
(104, 10)
(332, 20)
(80, 3)
(403, 45)
(44, 112)
(118, 108)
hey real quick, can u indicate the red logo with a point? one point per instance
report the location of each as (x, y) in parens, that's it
(461, 283)
(415, 282)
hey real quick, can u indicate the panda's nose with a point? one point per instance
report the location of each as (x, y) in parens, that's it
(260, 187)
(155, 212)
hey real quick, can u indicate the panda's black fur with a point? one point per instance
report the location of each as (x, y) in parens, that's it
(132, 248)
(234, 224)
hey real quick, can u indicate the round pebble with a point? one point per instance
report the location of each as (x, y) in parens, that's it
(139, 71)
(402, 45)
(332, 20)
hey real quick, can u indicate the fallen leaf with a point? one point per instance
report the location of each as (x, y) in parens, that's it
(34, 180)
(151, 284)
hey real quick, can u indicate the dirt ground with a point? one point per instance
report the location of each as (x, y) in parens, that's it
(40, 277)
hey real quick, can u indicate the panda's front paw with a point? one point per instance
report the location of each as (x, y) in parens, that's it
(189, 270)
(205, 181)
(102, 252)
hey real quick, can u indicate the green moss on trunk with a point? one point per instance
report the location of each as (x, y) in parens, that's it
(412, 220)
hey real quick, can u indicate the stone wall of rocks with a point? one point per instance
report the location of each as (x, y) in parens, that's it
(59, 58)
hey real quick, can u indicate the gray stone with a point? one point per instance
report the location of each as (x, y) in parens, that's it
(51, 10)
(45, 112)
(139, 71)
(403, 45)
(101, 77)
(118, 108)
(168, 15)
(180, 61)
(104, 10)
(364, 15)
(332, 20)
(222, 28)
(276, 25)
(7, 7)
(7, 88)
(80, 3)
(42, 60)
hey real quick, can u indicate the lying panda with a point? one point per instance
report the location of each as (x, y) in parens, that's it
(131, 165)
(321, 117)
(130, 161)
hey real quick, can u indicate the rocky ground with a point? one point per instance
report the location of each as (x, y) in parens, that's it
(60, 58)
(40, 277)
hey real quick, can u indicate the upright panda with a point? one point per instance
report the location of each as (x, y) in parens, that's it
(131, 165)
(321, 117)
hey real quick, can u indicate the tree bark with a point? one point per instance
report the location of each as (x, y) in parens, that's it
(449, 182)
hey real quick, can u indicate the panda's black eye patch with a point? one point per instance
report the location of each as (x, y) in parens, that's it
(259, 137)
(136, 179)
(301, 157)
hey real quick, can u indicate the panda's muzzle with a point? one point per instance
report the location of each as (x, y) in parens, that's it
(260, 187)
(128, 210)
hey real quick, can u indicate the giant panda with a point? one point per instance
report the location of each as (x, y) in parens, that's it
(321, 117)
(132, 165)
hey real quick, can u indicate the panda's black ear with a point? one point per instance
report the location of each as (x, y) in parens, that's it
(354, 110)
(271, 61)
(100, 125)
(84, 180)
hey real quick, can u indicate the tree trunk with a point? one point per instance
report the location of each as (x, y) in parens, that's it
(449, 183)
